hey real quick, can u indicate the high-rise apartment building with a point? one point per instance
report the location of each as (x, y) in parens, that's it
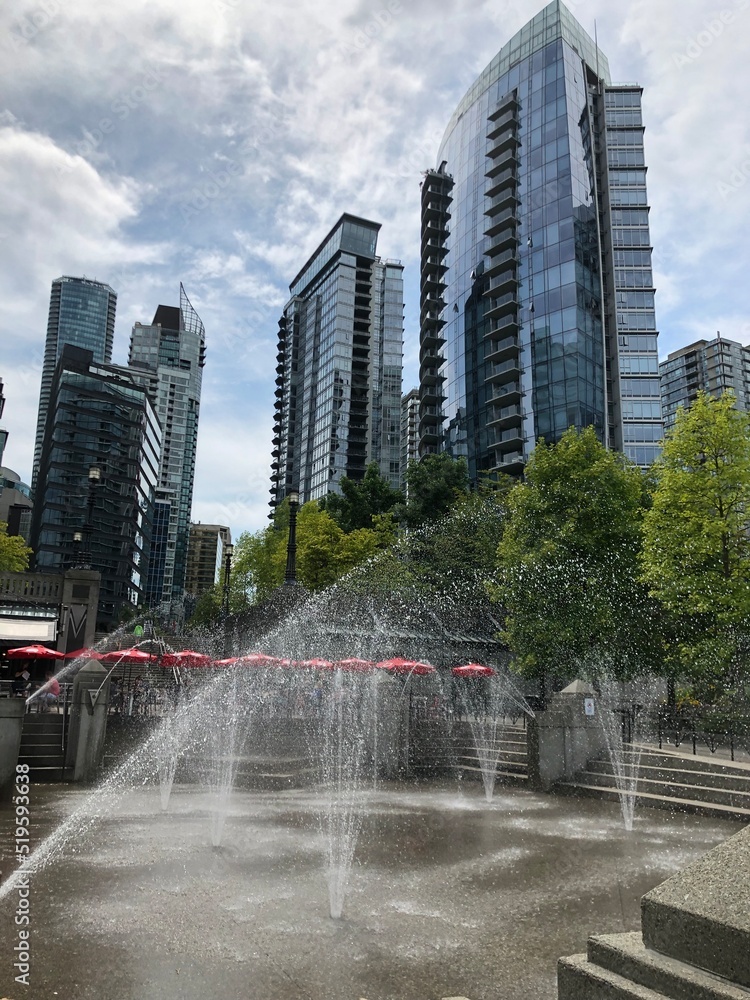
(339, 365)
(711, 366)
(167, 358)
(537, 296)
(81, 313)
(97, 479)
(409, 431)
(205, 559)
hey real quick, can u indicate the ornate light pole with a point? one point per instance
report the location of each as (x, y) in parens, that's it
(95, 477)
(290, 576)
(229, 549)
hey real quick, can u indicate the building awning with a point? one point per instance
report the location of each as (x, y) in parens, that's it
(17, 630)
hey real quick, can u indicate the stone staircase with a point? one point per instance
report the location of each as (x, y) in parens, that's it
(449, 747)
(669, 779)
(42, 746)
(694, 942)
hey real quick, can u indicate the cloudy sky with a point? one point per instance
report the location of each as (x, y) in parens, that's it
(215, 142)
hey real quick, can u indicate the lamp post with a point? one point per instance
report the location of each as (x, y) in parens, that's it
(95, 476)
(227, 572)
(290, 575)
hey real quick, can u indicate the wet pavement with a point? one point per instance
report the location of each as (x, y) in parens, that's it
(449, 896)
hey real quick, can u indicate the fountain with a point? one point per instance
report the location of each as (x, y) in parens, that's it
(488, 702)
(625, 712)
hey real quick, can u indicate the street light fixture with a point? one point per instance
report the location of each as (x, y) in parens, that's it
(290, 575)
(229, 550)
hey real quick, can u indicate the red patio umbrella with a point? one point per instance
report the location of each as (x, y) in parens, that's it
(87, 654)
(315, 664)
(229, 662)
(257, 660)
(354, 665)
(133, 655)
(400, 666)
(186, 658)
(473, 670)
(34, 653)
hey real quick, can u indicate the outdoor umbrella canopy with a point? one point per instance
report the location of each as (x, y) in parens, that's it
(400, 666)
(315, 664)
(186, 658)
(354, 664)
(34, 653)
(257, 660)
(473, 670)
(133, 655)
(86, 654)
(229, 662)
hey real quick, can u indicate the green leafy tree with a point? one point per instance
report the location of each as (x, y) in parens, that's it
(14, 552)
(568, 575)
(360, 502)
(696, 553)
(324, 551)
(434, 484)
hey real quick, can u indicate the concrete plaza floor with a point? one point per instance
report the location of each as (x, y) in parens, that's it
(449, 896)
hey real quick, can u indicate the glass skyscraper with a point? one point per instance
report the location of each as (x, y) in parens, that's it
(98, 417)
(537, 297)
(339, 367)
(81, 313)
(167, 357)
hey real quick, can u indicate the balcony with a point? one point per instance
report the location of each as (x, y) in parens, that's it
(512, 463)
(436, 210)
(434, 266)
(501, 372)
(431, 395)
(508, 103)
(506, 180)
(504, 237)
(507, 140)
(508, 159)
(499, 125)
(430, 375)
(434, 229)
(504, 305)
(502, 350)
(432, 286)
(430, 340)
(505, 200)
(506, 416)
(502, 327)
(507, 393)
(506, 281)
(510, 438)
(501, 261)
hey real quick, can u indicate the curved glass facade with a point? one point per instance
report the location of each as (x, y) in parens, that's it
(535, 321)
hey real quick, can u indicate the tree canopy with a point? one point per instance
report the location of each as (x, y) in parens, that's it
(14, 552)
(433, 485)
(359, 502)
(696, 552)
(568, 574)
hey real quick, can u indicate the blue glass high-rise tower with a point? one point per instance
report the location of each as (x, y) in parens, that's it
(537, 297)
(82, 314)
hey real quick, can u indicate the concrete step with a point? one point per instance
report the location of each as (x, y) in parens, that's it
(41, 760)
(739, 782)
(579, 979)
(701, 916)
(685, 759)
(716, 810)
(627, 956)
(671, 789)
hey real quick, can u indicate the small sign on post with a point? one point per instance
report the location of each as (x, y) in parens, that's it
(589, 706)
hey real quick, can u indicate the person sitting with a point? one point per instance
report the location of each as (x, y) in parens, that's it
(49, 692)
(22, 682)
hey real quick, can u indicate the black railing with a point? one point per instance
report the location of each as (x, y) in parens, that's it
(714, 731)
